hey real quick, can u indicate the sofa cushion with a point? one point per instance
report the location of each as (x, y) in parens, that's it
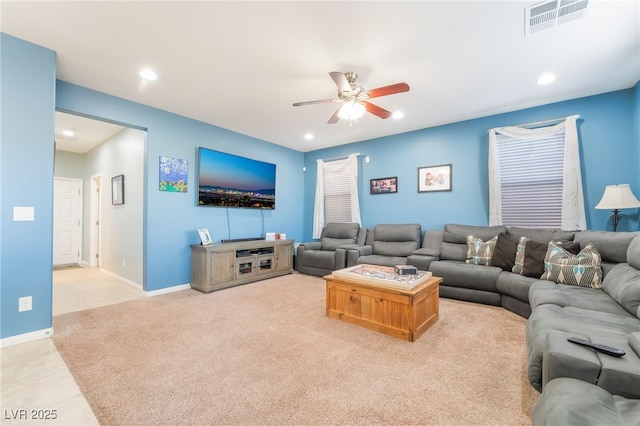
(331, 244)
(516, 285)
(454, 233)
(582, 270)
(336, 234)
(453, 251)
(396, 248)
(542, 235)
(612, 246)
(610, 329)
(375, 259)
(479, 252)
(550, 293)
(568, 401)
(622, 283)
(465, 275)
(633, 253)
(504, 253)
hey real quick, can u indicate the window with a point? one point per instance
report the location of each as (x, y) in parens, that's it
(534, 177)
(336, 193)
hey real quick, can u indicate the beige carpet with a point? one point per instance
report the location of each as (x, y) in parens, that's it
(265, 353)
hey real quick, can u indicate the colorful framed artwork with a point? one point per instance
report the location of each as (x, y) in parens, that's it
(434, 178)
(387, 185)
(173, 174)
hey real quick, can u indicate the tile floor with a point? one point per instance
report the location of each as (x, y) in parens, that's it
(36, 384)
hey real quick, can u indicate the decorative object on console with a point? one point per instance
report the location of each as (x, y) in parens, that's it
(117, 190)
(387, 185)
(173, 174)
(434, 178)
(205, 238)
(617, 197)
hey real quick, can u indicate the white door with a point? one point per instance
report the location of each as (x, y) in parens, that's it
(67, 225)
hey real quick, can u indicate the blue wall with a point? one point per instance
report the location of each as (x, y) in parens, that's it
(26, 159)
(606, 131)
(171, 219)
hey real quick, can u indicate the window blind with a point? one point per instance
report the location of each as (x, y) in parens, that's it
(337, 194)
(531, 177)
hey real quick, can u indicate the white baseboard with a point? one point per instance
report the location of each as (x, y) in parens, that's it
(172, 289)
(26, 337)
(124, 280)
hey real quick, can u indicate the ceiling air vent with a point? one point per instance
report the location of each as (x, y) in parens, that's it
(548, 14)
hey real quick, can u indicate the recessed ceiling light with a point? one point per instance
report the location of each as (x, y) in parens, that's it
(546, 78)
(68, 132)
(149, 74)
(308, 136)
(398, 115)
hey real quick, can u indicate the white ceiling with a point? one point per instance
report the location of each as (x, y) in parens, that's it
(240, 65)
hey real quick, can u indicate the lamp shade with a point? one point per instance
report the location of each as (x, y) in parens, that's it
(618, 197)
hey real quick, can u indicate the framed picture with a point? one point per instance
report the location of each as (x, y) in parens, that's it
(205, 238)
(434, 178)
(117, 190)
(385, 185)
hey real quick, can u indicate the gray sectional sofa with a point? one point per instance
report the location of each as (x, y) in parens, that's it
(608, 313)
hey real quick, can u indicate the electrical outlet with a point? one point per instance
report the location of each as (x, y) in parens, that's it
(24, 304)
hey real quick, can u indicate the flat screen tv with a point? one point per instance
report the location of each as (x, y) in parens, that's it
(227, 180)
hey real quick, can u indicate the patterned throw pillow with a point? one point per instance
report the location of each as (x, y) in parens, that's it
(479, 252)
(518, 268)
(581, 270)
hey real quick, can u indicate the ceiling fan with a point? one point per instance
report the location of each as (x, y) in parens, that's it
(355, 99)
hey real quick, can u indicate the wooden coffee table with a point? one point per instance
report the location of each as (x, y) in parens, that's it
(384, 305)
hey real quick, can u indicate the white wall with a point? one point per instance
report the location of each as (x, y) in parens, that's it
(121, 225)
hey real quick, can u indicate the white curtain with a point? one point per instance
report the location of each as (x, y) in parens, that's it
(324, 171)
(573, 213)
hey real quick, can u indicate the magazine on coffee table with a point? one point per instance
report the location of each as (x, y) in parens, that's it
(384, 275)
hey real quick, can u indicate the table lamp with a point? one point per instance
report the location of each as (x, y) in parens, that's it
(617, 197)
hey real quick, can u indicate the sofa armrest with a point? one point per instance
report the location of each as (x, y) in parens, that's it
(312, 245)
(355, 252)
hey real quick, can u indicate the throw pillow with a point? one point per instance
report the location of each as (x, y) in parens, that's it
(581, 270)
(534, 255)
(479, 252)
(518, 266)
(504, 253)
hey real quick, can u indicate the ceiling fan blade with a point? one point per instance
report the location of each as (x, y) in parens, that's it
(323, 101)
(388, 90)
(376, 110)
(334, 118)
(341, 81)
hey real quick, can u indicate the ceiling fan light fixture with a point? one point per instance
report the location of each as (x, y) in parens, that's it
(351, 111)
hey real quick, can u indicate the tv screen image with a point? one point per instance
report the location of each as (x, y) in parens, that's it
(227, 180)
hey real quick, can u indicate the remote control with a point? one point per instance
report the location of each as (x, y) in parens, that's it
(598, 347)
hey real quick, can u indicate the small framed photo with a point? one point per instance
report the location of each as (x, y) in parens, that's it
(205, 238)
(117, 190)
(434, 178)
(387, 185)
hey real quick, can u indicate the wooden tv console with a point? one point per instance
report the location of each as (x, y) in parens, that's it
(222, 265)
